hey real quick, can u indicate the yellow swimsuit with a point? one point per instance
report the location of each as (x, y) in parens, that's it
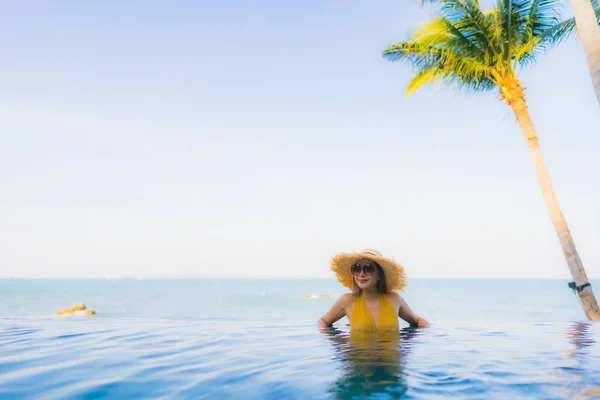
(362, 320)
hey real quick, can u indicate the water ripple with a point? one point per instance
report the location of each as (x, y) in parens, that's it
(105, 358)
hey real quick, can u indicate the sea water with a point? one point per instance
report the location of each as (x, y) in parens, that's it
(257, 339)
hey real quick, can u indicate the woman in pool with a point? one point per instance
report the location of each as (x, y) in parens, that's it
(374, 305)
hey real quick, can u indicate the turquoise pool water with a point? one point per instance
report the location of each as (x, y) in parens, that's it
(256, 339)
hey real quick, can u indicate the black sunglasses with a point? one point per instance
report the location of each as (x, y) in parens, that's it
(367, 268)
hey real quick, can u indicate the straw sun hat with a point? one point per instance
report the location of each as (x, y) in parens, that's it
(341, 265)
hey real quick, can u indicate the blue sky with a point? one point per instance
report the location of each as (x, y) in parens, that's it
(261, 138)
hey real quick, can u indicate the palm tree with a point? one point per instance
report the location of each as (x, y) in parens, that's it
(587, 25)
(587, 20)
(480, 51)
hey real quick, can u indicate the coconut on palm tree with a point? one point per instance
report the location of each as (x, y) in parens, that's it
(482, 50)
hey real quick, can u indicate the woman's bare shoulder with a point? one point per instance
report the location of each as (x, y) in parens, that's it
(347, 298)
(395, 297)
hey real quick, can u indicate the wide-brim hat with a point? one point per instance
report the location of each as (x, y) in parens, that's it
(341, 265)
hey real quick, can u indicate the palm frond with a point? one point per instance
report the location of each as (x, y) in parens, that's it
(541, 16)
(546, 31)
(442, 32)
(421, 79)
(569, 26)
(476, 49)
(433, 63)
(462, 39)
(470, 16)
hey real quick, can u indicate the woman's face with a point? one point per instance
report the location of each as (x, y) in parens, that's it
(365, 274)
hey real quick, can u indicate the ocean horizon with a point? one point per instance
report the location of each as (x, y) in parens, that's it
(164, 297)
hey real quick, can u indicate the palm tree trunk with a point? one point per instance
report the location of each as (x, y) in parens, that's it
(514, 95)
(589, 31)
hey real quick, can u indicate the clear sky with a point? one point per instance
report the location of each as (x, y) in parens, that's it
(236, 138)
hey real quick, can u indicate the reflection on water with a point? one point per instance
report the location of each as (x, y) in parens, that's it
(580, 337)
(371, 365)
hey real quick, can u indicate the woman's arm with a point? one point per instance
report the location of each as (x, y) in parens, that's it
(335, 313)
(405, 312)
